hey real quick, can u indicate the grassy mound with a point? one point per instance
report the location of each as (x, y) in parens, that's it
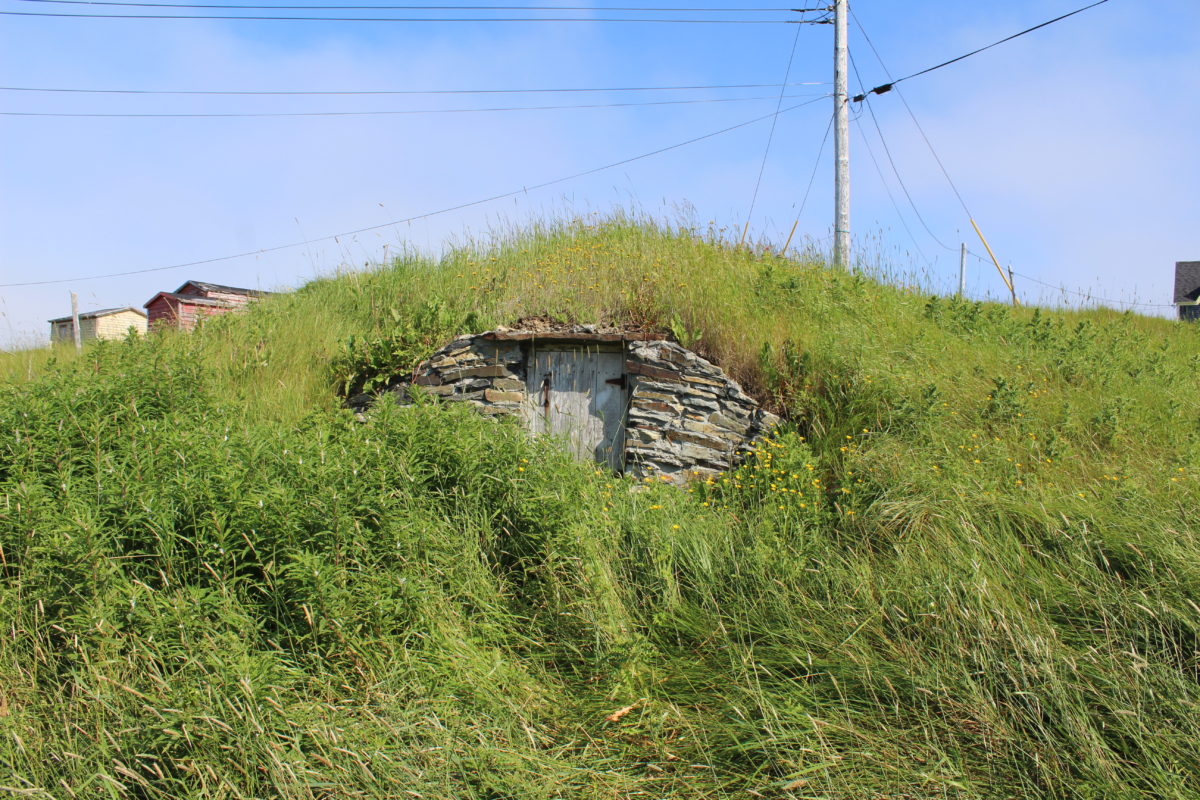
(966, 569)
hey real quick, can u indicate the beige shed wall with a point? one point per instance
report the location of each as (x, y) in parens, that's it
(114, 326)
(110, 326)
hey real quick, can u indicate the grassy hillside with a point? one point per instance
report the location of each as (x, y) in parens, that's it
(967, 568)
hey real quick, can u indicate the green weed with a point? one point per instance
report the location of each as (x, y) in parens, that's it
(966, 567)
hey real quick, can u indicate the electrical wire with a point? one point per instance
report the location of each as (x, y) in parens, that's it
(958, 195)
(404, 112)
(265, 18)
(427, 215)
(1092, 297)
(420, 8)
(770, 136)
(296, 92)
(916, 122)
(816, 164)
(928, 144)
(887, 189)
(887, 87)
(888, 151)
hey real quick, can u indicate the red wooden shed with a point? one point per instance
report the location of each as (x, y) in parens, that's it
(194, 301)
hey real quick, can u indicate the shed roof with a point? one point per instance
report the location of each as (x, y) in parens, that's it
(191, 299)
(204, 286)
(1187, 281)
(103, 312)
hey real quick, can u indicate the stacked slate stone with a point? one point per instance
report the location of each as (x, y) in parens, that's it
(488, 374)
(685, 418)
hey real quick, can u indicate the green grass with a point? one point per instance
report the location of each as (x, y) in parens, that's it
(967, 568)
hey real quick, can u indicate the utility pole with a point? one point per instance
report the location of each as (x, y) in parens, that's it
(841, 139)
(75, 321)
(962, 271)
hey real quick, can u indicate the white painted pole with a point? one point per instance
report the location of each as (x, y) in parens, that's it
(841, 141)
(962, 271)
(75, 321)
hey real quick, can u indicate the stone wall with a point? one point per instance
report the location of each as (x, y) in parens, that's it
(685, 418)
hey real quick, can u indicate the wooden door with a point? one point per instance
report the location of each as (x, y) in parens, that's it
(578, 393)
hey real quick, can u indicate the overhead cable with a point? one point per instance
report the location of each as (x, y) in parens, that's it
(883, 182)
(393, 223)
(888, 152)
(305, 92)
(771, 135)
(1092, 297)
(403, 112)
(816, 163)
(895, 170)
(887, 87)
(265, 18)
(913, 116)
(958, 195)
(422, 8)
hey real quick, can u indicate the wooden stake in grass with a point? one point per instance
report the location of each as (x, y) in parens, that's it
(75, 321)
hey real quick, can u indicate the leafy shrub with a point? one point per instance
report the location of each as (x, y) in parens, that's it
(368, 363)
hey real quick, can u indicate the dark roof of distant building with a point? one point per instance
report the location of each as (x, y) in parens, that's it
(103, 312)
(1187, 281)
(204, 286)
(193, 299)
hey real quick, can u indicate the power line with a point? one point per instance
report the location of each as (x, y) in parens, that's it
(1092, 297)
(870, 108)
(421, 8)
(887, 189)
(887, 87)
(298, 92)
(928, 143)
(770, 136)
(404, 112)
(265, 18)
(954, 188)
(887, 150)
(459, 207)
(908, 108)
(816, 164)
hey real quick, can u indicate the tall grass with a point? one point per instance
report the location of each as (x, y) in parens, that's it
(966, 569)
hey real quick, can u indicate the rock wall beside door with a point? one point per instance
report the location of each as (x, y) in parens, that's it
(685, 418)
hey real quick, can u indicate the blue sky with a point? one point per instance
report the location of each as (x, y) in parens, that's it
(1074, 146)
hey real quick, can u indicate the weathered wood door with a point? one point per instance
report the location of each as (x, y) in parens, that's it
(579, 393)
